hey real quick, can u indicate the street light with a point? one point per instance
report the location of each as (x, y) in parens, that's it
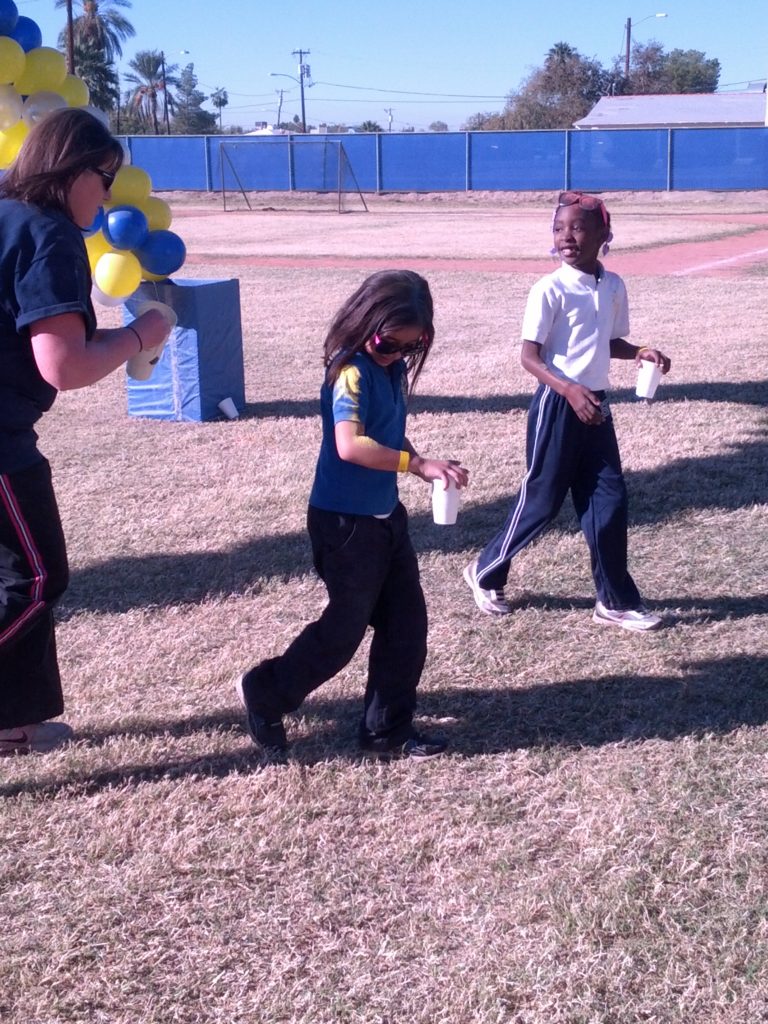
(629, 38)
(304, 72)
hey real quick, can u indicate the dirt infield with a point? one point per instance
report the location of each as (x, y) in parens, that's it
(678, 234)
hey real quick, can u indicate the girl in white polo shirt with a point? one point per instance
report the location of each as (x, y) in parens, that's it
(574, 324)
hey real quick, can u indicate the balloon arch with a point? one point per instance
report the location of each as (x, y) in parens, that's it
(129, 241)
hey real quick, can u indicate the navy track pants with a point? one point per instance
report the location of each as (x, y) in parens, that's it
(33, 574)
(565, 454)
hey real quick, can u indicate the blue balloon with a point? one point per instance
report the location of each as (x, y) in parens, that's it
(27, 34)
(125, 227)
(9, 15)
(98, 220)
(162, 254)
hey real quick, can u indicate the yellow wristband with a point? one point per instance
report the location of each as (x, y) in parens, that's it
(405, 461)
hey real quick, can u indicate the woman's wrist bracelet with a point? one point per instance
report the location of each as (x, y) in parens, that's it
(141, 343)
(404, 463)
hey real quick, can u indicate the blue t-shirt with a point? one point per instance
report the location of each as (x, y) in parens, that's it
(43, 272)
(376, 397)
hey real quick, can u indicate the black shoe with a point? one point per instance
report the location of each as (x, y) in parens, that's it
(416, 746)
(270, 736)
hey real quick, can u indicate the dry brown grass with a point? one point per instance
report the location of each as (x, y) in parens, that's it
(593, 851)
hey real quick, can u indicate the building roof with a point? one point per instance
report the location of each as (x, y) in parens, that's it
(681, 110)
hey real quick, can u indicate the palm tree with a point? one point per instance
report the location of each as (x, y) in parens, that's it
(561, 52)
(100, 26)
(100, 76)
(152, 79)
(220, 99)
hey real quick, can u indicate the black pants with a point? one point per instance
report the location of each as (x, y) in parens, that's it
(33, 575)
(565, 454)
(370, 569)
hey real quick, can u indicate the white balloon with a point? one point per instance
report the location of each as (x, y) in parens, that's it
(100, 115)
(97, 295)
(39, 104)
(10, 107)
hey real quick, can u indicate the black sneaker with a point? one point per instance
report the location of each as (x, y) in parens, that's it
(270, 736)
(416, 746)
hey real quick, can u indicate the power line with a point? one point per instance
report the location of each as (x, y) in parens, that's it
(412, 92)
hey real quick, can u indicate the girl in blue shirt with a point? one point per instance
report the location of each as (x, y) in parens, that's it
(374, 352)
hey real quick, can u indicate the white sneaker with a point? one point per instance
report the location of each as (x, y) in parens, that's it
(34, 739)
(638, 620)
(492, 602)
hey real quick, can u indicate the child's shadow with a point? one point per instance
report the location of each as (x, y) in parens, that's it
(717, 696)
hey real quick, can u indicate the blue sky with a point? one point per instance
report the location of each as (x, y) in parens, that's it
(368, 59)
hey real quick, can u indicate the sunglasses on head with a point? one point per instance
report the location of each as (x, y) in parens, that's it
(107, 177)
(586, 202)
(392, 347)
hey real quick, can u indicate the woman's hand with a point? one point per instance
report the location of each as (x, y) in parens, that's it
(446, 470)
(152, 327)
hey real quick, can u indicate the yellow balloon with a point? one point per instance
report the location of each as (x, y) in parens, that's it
(96, 246)
(118, 274)
(146, 276)
(157, 212)
(75, 91)
(44, 71)
(12, 60)
(10, 143)
(131, 186)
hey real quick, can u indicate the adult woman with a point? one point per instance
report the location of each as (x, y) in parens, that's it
(48, 342)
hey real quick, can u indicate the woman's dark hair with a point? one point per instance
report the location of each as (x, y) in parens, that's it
(385, 302)
(57, 150)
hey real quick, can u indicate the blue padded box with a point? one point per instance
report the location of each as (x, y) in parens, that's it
(202, 362)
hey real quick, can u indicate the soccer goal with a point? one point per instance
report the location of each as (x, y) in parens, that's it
(298, 173)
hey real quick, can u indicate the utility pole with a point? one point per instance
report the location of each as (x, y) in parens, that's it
(626, 52)
(388, 111)
(165, 95)
(304, 72)
(279, 106)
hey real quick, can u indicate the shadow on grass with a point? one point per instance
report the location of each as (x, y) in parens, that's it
(749, 393)
(730, 481)
(715, 697)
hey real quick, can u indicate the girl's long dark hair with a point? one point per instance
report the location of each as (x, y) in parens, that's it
(56, 152)
(387, 301)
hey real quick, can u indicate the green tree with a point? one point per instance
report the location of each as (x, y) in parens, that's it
(690, 71)
(151, 87)
(370, 126)
(560, 92)
(190, 118)
(438, 126)
(99, 75)
(652, 71)
(487, 122)
(99, 25)
(219, 99)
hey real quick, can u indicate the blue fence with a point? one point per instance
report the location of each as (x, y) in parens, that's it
(595, 160)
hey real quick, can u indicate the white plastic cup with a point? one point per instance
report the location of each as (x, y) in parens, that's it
(140, 366)
(648, 378)
(229, 408)
(445, 502)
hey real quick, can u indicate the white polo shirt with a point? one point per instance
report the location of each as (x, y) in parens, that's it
(573, 317)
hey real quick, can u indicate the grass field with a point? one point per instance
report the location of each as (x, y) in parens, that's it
(594, 850)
